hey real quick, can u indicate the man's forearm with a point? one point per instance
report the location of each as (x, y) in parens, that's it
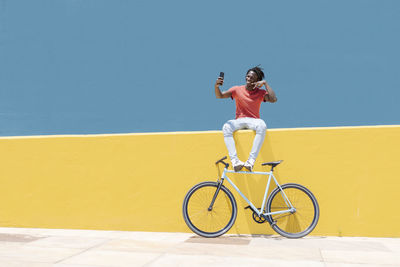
(218, 93)
(271, 94)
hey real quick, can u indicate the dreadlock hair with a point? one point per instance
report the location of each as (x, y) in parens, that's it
(257, 70)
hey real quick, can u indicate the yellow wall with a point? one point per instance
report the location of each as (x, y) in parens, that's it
(138, 181)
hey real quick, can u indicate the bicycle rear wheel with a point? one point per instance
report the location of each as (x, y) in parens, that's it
(299, 222)
(205, 222)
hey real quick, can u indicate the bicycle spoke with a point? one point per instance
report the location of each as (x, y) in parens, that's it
(213, 220)
(297, 223)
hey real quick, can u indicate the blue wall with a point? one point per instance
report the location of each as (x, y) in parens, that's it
(96, 66)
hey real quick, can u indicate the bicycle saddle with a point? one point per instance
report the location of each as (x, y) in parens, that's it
(272, 163)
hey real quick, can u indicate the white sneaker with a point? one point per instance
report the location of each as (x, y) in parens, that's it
(237, 165)
(249, 165)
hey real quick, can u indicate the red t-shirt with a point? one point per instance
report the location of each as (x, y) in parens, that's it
(247, 102)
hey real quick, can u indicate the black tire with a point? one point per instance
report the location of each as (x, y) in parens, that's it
(299, 223)
(207, 223)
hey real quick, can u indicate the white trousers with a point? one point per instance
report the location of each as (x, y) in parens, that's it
(231, 126)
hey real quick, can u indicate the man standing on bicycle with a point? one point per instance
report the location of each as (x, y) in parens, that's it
(248, 100)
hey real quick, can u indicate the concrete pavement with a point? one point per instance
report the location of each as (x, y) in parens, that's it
(27, 247)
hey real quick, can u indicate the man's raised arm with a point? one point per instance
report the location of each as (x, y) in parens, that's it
(218, 93)
(270, 97)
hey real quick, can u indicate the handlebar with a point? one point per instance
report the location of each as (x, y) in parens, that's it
(223, 162)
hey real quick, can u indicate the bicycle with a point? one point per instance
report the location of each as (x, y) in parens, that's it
(210, 210)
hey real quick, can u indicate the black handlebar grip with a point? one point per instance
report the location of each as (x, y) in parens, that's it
(220, 160)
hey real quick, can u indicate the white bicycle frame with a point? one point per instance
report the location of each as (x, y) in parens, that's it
(260, 212)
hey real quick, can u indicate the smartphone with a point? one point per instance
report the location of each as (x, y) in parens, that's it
(221, 74)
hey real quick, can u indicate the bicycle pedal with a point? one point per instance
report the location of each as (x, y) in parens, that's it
(249, 207)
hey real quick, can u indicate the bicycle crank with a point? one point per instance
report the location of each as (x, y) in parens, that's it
(258, 219)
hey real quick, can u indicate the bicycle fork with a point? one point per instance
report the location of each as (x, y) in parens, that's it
(215, 195)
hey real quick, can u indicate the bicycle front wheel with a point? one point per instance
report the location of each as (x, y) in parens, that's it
(209, 221)
(301, 220)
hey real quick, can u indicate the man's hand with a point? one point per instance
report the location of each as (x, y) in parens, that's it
(260, 84)
(220, 81)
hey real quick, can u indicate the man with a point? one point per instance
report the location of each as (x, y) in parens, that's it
(248, 100)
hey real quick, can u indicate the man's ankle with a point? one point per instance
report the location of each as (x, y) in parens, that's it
(251, 161)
